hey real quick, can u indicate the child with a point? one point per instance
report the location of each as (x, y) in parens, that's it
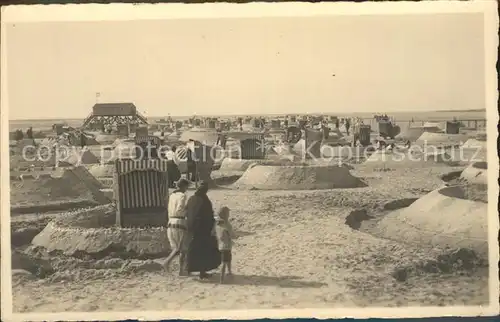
(225, 235)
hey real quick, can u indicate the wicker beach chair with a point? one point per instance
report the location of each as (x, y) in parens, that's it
(141, 192)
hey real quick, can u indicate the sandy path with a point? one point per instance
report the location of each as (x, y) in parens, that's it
(294, 251)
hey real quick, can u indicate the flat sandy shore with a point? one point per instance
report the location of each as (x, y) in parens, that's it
(294, 251)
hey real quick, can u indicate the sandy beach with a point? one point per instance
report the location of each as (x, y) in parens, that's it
(354, 165)
(294, 250)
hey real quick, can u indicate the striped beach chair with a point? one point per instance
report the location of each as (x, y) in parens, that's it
(253, 147)
(140, 192)
(313, 139)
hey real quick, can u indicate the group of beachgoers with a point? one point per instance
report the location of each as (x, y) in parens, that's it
(201, 239)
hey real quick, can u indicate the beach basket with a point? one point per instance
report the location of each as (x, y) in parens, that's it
(140, 192)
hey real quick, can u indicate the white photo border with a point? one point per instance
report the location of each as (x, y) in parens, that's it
(123, 12)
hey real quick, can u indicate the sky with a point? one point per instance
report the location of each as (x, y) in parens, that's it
(322, 64)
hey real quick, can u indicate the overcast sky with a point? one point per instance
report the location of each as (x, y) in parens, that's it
(252, 65)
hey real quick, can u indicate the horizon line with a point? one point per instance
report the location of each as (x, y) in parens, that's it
(266, 114)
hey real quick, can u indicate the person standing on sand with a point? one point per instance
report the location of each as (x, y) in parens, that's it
(240, 123)
(225, 235)
(191, 163)
(19, 135)
(221, 138)
(83, 141)
(347, 125)
(203, 254)
(29, 133)
(177, 227)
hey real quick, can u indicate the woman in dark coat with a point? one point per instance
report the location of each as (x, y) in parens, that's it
(203, 254)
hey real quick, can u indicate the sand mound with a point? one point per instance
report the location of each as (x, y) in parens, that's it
(475, 144)
(413, 133)
(476, 173)
(92, 232)
(91, 141)
(441, 139)
(229, 164)
(464, 156)
(91, 183)
(297, 177)
(396, 159)
(71, 187)
(445, 217)
(227, 177)
(78, 157)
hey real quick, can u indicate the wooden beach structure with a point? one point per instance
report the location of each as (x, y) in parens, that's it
(113, 114)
